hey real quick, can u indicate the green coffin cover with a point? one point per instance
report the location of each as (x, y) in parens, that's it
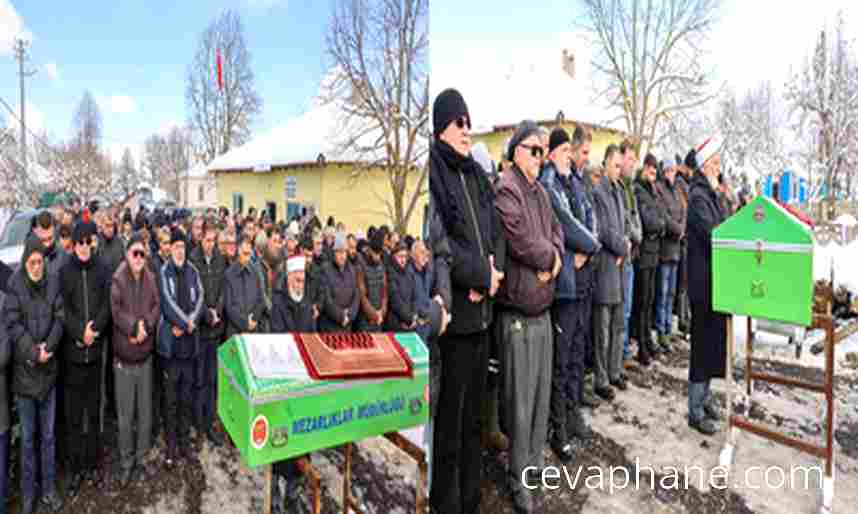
(272, 420)
(762, 264)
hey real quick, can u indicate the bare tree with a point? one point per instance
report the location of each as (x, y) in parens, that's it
(824, 99)
(87, 124)
(221, 119)
(127, 177)
(167, 159)
(379, 52)
(649, 59)
(755, 129)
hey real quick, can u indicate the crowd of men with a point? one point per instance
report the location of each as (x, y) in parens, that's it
(557, 264)
(118, 313)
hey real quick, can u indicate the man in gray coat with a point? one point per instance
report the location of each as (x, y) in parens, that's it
(608, 300)
(243, 302)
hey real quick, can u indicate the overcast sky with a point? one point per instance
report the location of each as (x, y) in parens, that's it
(754, 40)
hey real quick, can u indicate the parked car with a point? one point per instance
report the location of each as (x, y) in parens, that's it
(14, 235)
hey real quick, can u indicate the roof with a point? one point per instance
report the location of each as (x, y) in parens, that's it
(320, 131)
(525, 82)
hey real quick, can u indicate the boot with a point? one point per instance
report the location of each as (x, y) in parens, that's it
(52, 502)
(294, 487)
(576, 426)
(214, 437)
(704, 426)
(589, 400)
(712, 411)
(492, 437)
(664, 342)
(74, 484)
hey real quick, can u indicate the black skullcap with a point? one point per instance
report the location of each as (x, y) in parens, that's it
(177, 236)
(82, 231)
(524, 130)
(449, 106)
(558, 137)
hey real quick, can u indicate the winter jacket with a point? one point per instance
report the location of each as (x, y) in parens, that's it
(269, 279)
(289, 316)
(704, 214)
(56, 258)
(32, 318)
(653, 223)
(156, 264)
(187, 345)
(577, 238)
(534, 237)
(341, 293)
(670, 197)
(633, 228)
(242, 295)
(314, 284)
(111, 252)
(86, 297)
(5, 354)
(610, 207)
(464, 200)
(403, 299)
(374, 291)
(423, 304)
(583, 206)
(212, 275)
(130, 301)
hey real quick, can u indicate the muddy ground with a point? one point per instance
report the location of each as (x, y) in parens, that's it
(645, 425)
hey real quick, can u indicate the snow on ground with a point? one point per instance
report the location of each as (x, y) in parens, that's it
(840, 258)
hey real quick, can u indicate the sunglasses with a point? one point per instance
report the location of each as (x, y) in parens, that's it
(86, 241)
(138, 254)
(535, 150)
(462, 122)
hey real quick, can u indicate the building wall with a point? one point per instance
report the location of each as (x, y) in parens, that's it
(189, 193)
(331, 189)
(495, 141)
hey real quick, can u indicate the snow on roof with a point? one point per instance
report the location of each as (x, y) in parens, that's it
(504, 82)
(198, 171)
(321, 130)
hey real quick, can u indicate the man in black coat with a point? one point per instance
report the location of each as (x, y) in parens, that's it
(243, 303)
(86, 295)
(292, 311)
(465, 203)
(33, 311)
(653, 221)
(342, 298)
(671, 250)
(212, 268)
(403, 293)
(708, 328)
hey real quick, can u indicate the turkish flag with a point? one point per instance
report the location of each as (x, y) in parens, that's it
(219, 71)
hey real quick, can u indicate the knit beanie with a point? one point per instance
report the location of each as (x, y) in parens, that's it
(558, 137)
(448, 106)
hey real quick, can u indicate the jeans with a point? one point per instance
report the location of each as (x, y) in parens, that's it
(45, 410)
(628, 298)
(699, 395)
(667, 274)
(4, 469)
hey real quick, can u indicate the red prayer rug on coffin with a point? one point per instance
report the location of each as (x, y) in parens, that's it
(351, 355)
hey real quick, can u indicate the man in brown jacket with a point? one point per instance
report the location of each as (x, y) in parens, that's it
(135, 305)
(534, 253)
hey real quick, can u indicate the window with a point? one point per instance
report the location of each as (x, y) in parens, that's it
(237, 202)
(291, 188)
(201, 194)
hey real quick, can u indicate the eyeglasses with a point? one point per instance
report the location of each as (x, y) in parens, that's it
(462, 122)
(535, 150)
(138, 254)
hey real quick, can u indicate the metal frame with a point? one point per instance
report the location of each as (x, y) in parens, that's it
(735, 422)
(349, 502)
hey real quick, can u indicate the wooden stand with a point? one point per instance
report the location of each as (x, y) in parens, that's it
(736, 422)
(313, 482)
(349, 502)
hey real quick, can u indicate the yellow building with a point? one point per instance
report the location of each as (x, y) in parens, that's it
(299, 165)
(497, 138)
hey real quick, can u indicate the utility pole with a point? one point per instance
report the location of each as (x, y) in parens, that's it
(20, 50)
